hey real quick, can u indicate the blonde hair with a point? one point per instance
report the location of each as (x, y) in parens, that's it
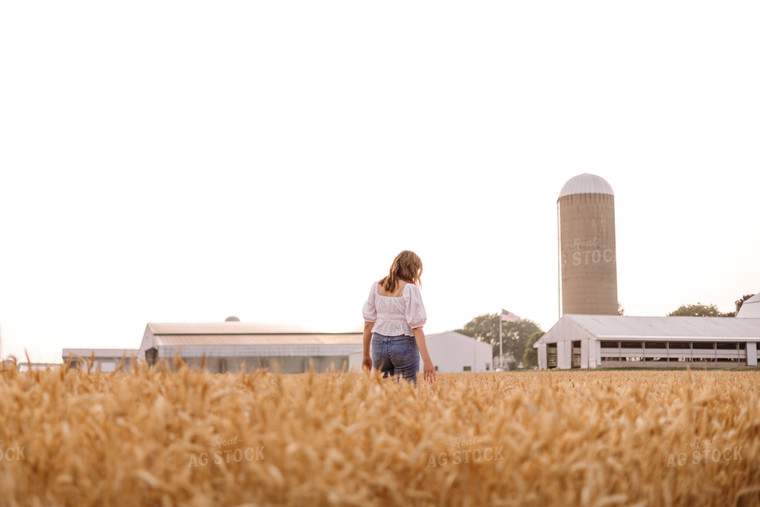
(407, 267)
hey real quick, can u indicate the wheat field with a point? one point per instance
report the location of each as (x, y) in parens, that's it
(185, 437)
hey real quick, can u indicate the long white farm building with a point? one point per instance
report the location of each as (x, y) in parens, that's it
(228, 346)
(599, 341)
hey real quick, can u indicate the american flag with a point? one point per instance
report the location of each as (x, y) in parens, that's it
(509, 316)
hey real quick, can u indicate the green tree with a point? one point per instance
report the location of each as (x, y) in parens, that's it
(530, 356)
(484, 328)
(697, 310)
(514, 334)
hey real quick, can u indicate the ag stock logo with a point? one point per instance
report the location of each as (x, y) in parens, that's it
(223, 452)
(11, 453)
(705, 451)
(472, 450)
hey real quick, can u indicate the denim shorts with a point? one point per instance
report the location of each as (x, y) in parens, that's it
(396, 355)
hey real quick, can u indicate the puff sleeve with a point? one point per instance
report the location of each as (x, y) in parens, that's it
(414, 309)
(369, 312)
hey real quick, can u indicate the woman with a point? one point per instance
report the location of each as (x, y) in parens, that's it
(395, 314)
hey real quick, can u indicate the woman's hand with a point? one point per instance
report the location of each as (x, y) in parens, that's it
(428, 368)
(367, 341)
(428, 371)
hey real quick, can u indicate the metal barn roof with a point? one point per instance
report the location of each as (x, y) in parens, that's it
(586, 184)
(264, 339)
(220, 328)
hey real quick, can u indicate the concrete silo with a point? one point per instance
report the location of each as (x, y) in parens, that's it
(588, 266)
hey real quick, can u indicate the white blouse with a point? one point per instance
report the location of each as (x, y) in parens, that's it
(395, 316)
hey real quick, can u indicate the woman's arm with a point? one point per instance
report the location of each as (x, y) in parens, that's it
(366, 359)
(428, 368)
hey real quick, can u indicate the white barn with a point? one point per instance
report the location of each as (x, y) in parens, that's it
(450, 351)
(103, 360)
(228, 346)
(594, 341)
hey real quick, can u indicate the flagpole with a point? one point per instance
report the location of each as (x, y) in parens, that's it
(501, 357)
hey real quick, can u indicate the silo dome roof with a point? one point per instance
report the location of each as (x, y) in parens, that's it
(586, 184)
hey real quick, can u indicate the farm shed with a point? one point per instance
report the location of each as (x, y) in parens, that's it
(450, 351)
(228, 346)
(99, 359)
(598, 341)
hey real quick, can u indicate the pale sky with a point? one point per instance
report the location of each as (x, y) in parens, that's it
(187, 161)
